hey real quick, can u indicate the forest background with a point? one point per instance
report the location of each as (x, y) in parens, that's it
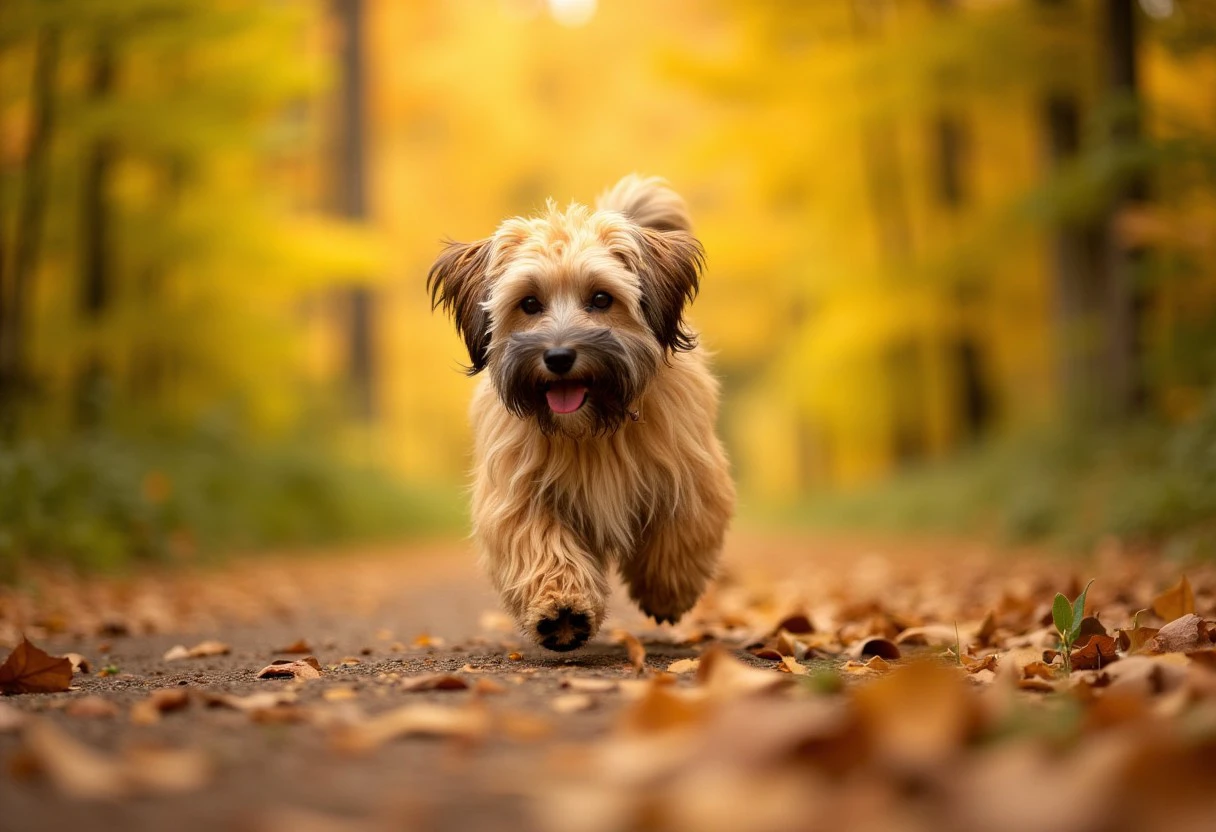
(962, 256)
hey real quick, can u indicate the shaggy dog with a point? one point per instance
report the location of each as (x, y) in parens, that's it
(594, 424)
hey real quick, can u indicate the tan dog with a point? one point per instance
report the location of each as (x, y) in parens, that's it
(594, 427)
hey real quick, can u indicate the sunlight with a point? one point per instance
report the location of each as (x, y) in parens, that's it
(572, 13)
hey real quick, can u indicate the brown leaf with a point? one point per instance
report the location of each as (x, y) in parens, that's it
(724, 676)
(1138, 637)
(1176, 601)
(987, 630)
(683, 666)
(660, 708)
(298, 646)
(918, 715)
(79, 663)
(974, 665)
(305, 668)
(590, 685)
(91, 707)
(936, 635)
(570, 703)
(434, 681)
(882, 647)
(798, 623)
(790, 665)
(165, 700)
(29, 670)
(637, 653)
(202, 650)
(1181, 635)
(412, 720)
(81, 772)
(1039, 670)
(248, 704)
(1094, 653)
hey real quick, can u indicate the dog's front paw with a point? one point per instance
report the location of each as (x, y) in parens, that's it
(563, 630)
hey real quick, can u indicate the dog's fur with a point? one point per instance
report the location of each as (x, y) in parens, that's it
(636, 475)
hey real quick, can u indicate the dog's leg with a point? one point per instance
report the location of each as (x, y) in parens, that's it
(676, 561)
(550, 583)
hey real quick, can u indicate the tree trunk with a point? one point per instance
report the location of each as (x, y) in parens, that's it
(15, 334)
(1124, 300)
(352, 203)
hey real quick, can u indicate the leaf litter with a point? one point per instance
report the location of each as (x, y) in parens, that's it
(875, 695)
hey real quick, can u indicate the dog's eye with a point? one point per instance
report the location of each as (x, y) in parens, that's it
(601, 300)
(530, 305)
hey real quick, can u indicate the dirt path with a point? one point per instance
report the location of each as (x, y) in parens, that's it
(378, 621)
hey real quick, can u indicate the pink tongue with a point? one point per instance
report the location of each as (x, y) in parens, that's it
(566, 397)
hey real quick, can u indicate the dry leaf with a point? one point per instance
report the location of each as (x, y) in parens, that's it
(917, 716)
(1175, 602)
(486, 686)
(91, 707)
(148, 711)
(11, 718)
(882, 647)
(724, 676)
(30, 670)
(202, 650)
(660, 708)
(637, 653)
(1181, 635)
(584, 685)
(1094, 653)
(255, 702)
(934, 635)
(79, 663)
(304, 669)
(683, 666)
(570, 703)
(798, 623)
(78, 771)
(412, 720)
(515, 656)
(974, 665)
(434, 681)
(790, 665)
(297, 646)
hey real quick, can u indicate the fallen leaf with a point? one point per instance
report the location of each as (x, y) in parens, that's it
(798, 623)
(572, 703)
(297, 646)
(1181, 635)
(79, 663)
(584, 685)
(724, 676)
(255, 702)
(434, 681)
(425, 640)
(486, 686)
(165, 700)
(1175, 602)
(974, 665)
(412, 720)
(636, 652)
(878, 664)
(933, 635)
(304, 669)
(91, 707)
(883, 647)
(515, 656)
(683, 666)
(662, 708)
(918, 715)
(1137, 638)
(79, 771)
(1094, 653)
(11, 718)
(790, 665)
(30, 670)
(202, 650)
(1039, 670)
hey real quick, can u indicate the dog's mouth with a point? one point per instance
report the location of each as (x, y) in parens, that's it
(566, 396)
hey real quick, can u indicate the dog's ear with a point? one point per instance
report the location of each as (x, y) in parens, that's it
(459, 281)
(669, 269)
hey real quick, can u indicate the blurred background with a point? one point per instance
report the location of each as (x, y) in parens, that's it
(962, 256)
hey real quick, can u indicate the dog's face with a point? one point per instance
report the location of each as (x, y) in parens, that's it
(571, 313)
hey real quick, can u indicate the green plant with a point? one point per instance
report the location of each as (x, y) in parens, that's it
(1068, 617)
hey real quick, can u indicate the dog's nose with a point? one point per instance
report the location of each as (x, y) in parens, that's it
(559, 359)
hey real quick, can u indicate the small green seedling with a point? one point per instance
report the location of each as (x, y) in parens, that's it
(1067, 618)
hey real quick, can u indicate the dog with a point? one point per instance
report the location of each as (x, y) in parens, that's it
(594, 421)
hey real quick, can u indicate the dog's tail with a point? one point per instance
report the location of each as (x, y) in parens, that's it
(647, 200)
